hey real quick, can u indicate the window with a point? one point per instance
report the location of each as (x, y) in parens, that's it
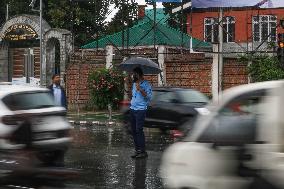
(211, 29)
(27, 101)
(236, 122)
(264, 28)
(192, 96)
(163, 96)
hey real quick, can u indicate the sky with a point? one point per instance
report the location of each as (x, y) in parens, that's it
(140, 2)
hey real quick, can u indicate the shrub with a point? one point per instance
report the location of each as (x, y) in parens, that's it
(263, 68)
(106, 87)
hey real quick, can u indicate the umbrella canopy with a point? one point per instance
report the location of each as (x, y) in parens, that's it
(147, 65)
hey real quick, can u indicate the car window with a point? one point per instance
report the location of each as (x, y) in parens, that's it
(236, 121)
(192, 96)
(29, 100)
(163, 96)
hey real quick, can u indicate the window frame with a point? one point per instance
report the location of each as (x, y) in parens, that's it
(226, 21)
(259, 22)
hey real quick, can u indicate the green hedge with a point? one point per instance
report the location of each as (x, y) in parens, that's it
(263, 68)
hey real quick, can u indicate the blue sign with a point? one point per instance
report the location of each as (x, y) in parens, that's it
(238, 3)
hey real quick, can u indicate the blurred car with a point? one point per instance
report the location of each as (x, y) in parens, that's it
(237, 143)
(29, 119)
(170, 107)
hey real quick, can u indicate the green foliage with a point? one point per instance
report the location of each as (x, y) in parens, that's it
(263, 68)
(15, 7)
(84, 18)
(125, 17)
(106, 87)
(177, 20)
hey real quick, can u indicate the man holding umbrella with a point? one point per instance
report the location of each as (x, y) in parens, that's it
(141, 96)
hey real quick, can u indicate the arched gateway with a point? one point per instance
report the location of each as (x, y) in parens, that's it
(20, 52)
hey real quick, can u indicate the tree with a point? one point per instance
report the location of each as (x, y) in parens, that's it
(83, 18)
(15, 7)
(177, 20)
(86, 18)
(125, 17)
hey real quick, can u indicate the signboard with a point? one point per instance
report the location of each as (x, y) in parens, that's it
(19, 81)
(237, 3)
(20, 32)
(34, 82)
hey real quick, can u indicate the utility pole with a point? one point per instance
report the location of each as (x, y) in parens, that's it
(42, 67)
(155, 18)
(182, 22)
(220, 51)
(7, 11)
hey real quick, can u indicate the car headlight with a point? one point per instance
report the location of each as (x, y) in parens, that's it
(203, 111)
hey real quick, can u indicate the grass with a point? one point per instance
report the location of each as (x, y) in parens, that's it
(94, 117)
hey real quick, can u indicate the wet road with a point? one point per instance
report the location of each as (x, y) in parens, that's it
(103, 155)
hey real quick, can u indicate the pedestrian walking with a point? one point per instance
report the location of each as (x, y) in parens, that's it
(141, 96)
(58, 91)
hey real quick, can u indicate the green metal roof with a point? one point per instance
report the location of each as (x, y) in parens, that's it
(142, 34)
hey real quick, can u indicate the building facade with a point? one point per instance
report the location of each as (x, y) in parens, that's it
(246, 27)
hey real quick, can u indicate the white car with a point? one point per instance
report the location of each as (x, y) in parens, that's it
(237, 143)
(29, 119)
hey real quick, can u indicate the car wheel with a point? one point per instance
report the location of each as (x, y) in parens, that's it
(52, 158)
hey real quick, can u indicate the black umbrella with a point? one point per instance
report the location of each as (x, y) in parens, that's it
(147, 65)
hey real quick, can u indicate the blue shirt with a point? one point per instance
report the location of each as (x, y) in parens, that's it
(57, 92)
(138, 101)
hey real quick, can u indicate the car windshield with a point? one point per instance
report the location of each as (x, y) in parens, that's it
(29, 100)
(191, 96)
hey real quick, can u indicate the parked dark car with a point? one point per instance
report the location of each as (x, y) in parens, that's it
(170, 108)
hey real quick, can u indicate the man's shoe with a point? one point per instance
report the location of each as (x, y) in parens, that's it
(141, 155)
(134, 155)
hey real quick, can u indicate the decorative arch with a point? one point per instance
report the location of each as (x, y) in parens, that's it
(30, 20)
(50, 39)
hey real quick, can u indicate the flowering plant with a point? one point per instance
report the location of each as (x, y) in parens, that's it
(106, 87)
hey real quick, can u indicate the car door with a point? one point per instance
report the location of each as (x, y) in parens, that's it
(162, 109)
(269, 152)
(217, 157)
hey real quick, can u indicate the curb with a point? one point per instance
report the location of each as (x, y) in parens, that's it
(94, 123)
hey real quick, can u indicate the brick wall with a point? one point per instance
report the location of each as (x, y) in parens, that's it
(77, 76)
(187, 71)
(234, 74)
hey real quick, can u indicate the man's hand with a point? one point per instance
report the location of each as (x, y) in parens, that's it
(138, 88)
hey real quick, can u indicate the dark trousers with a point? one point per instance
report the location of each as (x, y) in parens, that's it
(137, 118)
